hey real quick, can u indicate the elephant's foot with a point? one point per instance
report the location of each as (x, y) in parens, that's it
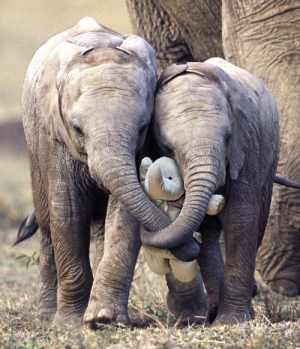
(68, 320)
(187, 301)
(187, 313)
(46, 314)
(285, 287)
(47, 306)
(110, 312)
(233, 319)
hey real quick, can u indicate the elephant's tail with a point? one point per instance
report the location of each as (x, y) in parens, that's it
(286, 182)
(28, 228)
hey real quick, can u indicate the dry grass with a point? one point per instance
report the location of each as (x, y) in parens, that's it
(277, 323)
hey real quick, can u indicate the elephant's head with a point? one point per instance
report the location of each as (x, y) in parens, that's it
(96, 96)
(202, 119)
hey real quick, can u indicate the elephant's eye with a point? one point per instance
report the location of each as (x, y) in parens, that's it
(167, 150)
(143, 128)
(77, 128)
(228, 137)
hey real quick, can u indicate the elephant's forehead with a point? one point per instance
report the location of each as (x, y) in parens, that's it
(108, 76)
(189, 93)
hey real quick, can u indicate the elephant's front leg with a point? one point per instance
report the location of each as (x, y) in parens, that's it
(70, 217)
(241, 225)
(110, 292)
(211, 261)
(187, 300)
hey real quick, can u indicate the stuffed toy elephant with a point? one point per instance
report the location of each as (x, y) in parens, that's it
(162, 182)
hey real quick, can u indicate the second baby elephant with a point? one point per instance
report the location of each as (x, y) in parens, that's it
(220, 125)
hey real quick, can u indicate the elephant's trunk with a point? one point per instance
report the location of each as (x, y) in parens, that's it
(201, 180)
(114, 168)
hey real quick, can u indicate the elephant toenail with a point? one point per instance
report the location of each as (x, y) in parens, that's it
(122, 319)
(105, 314)
(89, 317)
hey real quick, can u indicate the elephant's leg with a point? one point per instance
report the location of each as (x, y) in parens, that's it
(71, 248)
(187, 300)
(47, 304)
(110, 292)
(241, 225)
(211, 261)
(70, 207)
(98, 230)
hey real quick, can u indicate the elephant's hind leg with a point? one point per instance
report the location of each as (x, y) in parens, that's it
(187, 300)
(47, 304)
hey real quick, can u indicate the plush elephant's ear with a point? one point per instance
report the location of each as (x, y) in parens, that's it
(133, 44)
(145, 164)
(48, 92)
(243, 112)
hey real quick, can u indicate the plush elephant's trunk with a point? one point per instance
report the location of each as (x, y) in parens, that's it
(201, 181)
(114, 168)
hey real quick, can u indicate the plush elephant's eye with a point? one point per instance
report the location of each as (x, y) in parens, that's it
(77, 128)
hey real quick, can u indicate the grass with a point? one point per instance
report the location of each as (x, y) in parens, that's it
(277, 322)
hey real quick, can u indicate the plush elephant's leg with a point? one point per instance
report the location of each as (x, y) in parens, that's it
(211, 261)
(110, 292)
(187, 300)
(241, 225)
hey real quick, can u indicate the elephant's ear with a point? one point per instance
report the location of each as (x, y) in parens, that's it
(48, 93)
(243, 112)
(135, 45)
(236, 84)
(170, 73)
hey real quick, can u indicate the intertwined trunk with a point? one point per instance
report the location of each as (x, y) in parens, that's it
(114, 168)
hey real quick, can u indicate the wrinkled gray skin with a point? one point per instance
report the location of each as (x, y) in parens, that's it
(221, 128)
(180, 31)
(265, 39)
(262, 37)
(87, 102)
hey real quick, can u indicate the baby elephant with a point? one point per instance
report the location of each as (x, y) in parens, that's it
(220, 125)
(87, 102)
